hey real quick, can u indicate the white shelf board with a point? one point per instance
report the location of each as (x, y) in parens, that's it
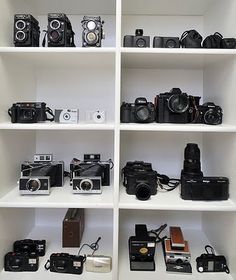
(172, 201)
(54, 245)
(60, 197)
(173, 58)
(197, 241)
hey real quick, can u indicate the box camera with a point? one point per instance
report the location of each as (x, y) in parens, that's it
(90, 175)
(65, 263)
(93, 33)
(142, 250)
(96, 116)
(211, 263)
(194, 186)
(67, 115)
(208, 113)
(98, 263)
(140, 111)
(21, 261)
(137, 40)
(176, 107)
(166, 42)
(30, 246)
(30, 112)
(26, 31)
(140, 179)
(60, 33)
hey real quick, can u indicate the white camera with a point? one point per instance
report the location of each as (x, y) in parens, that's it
(96, 116)
(67, 115)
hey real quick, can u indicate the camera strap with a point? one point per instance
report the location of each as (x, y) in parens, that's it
(44, 38)
(157, 232)
(9, 112)
(50, 112)
(170, 183)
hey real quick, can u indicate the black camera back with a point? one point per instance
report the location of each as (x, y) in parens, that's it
(92, 34)
(137, 40)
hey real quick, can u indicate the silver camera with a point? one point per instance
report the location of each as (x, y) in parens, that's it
(88, 185)
(67, 116)
(98, 263)
(96, 116)
(34, 185)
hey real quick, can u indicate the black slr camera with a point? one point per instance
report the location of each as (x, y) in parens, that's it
(60, 33)
(142, 250)
(208, 113)
(137, 40)
(140, 179)
(30, 246)
(65, 263)
(176, 107)
(194, 186)
(30, 112)
(166, 42)
(92, 31)
(140, 111)
(26, 31)
(21, 261)
(89, 175)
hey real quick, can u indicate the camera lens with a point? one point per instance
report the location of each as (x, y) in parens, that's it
(170, 44)
(142, 113)
(143, 191)
(91, 37)
(192, 163)
(212, 117)
(141, 43)
(15, 263)
(178, 103)
(28, 114)
(33, 185)
(60, 265)
(54, 36)
(20, 35)
(66, 116)
(20, 24)
(91, 25)
(86, 185)
(55, 24)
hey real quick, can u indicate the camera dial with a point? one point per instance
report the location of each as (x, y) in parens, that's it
(86, 185)
(33, 185)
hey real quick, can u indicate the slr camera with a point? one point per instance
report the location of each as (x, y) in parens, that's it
(137, 40)
(208, 113)
(211, 263)
(65, 263)
(194, 186)
(30, 246)
(140, 111)
(60, 33)
(39, 176)
(176, 107)
(90, 175)
(92, 34)
(21, 261)
(140, 179)
(26, 31)
(30, 112)
(142, 250)
(166, 42)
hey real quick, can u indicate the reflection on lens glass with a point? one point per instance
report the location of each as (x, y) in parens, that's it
(86, 185)
(143, 191)
(178, 103)
(91, 37)
(54, 35)
(142, 113)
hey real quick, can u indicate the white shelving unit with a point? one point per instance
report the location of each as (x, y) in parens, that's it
(101, 78)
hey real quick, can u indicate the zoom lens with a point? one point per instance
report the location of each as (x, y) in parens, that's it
(142, 113)
(178, 103)
(192, 163)
(33, 185)
(143, 191)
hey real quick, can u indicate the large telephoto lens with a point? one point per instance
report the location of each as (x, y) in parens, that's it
(192, 163)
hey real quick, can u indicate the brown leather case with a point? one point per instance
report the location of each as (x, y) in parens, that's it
(73, 227)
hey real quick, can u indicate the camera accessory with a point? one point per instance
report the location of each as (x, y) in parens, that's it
(30, 112)
(67, 115)
(210, 262)
(98, 263)
(73, 227)
(194, 186)
(228, 43)
(96, 116)
(166, 42)
(191, 39)
(22, 261)
(213, 41)
(30, 246)
(92, 31)
(208, 113)
(26, 31)
(60, 33)
(137, 40)
(140, 111)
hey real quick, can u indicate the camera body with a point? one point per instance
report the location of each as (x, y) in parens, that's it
(175, 107)
(166, 42)
(96, 116)
(66, 263)
(209, 113)
(92, 34)
(60, 33)
(137, 40)
(26, 31)
(21, 261)
(30, 246)
(67, 115)
(211, 263)
(228, 43)
(140, 111)
(140, 179)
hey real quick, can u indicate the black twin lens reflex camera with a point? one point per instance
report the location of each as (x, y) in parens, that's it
(30, 246)
(137, 40)
(26, 31)
(65, 263)
(140, 111)
(92, 34)
(142, 250)
(211, 263)
(194, 186)
(140, 179)
(21, 261)
(60, 33)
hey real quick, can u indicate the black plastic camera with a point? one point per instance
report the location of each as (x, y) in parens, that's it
(65, 263)
(26, 31)
(194, 186)
(142, 250)
(30, 246)
(137, 40)
(166, 42)
(140, 179)
(176, 107)
(30, 112)
(140, 111)
(21, 261)
(92, 31)
(60, 33)
(209, 113)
